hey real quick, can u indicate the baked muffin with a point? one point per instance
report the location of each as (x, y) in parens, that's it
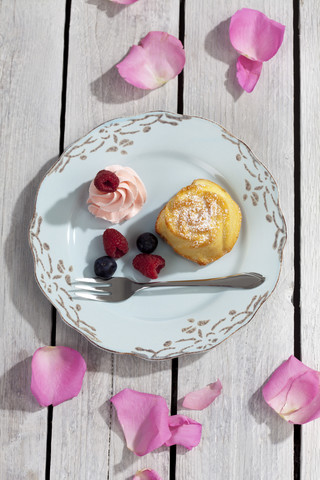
(201, 222)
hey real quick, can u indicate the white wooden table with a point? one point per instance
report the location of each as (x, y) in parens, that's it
(58, 81)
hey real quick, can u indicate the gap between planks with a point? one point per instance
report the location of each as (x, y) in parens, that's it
(297, 219)
(61, 149)
(175, 361)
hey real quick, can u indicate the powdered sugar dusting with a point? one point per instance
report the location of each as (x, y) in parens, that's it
(197, 215)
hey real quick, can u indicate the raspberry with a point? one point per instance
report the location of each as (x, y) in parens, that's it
(114, 243)
(149, 265)
(106, 181)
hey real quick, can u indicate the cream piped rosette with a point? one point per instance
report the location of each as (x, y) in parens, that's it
(122, 204)
(201, 222)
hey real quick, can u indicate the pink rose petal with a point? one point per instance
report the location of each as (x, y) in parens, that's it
(293, 391)
(143, 418)
(288, 370)
(146, 474)
(248, 73)
(200, 399)
(57, 374)
(158, 58)
(184, 431)
(124, 2)
(255, 35)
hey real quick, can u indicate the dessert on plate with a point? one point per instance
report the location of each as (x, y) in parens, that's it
(116, 194)
(201, 222)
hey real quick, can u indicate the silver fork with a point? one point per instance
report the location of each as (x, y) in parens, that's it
(119, 288)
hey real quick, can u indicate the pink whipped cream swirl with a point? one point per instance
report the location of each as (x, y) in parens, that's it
(122, 204)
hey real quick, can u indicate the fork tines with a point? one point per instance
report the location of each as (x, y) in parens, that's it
(80, 282)
(91, 296)
(83, 287)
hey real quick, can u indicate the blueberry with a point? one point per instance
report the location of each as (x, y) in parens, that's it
(104, 267)
(147, 242)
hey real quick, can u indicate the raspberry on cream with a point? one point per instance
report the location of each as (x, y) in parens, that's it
(121, 204)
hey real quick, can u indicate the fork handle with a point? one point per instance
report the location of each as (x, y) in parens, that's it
(243, 280)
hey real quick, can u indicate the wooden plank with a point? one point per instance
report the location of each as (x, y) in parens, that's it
(87, 441)
(242, 436)
(29, 139)
(310, 214)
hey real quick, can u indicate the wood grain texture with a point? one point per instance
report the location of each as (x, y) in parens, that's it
(29, 140)
(310, 214)
(87, 441)
(242, 436)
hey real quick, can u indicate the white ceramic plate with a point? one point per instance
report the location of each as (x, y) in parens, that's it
(168, 151)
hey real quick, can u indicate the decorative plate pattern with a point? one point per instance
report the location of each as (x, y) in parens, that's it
(55, 279)
(168, 151)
